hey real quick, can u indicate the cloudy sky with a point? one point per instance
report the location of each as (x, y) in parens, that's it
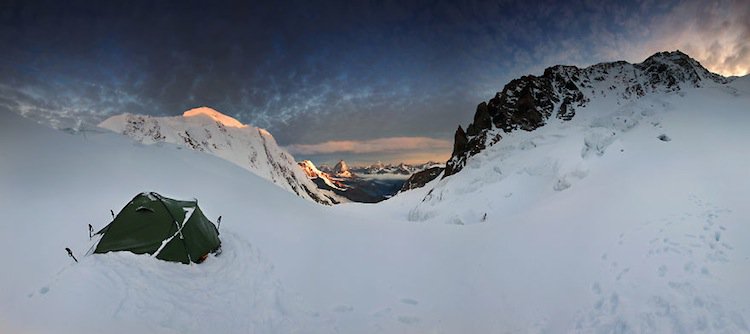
(359, 80)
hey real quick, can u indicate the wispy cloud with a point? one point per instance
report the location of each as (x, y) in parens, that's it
(367, 69)
(717, 33)
(380, 145)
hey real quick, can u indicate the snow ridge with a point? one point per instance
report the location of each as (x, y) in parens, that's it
(207, 130)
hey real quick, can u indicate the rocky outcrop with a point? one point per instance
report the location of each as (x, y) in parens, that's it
(529, 102)
(419, 179)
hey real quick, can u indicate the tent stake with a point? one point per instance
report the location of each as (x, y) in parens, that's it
(112, 213)
(70, 253)
(218, 221)
(91, 231)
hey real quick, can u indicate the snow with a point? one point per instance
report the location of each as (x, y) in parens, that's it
(584, 232)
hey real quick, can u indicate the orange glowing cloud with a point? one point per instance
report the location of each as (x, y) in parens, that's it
(380, 145)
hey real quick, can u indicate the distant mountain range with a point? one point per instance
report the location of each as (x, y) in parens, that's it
(401, 170)
(368, 184)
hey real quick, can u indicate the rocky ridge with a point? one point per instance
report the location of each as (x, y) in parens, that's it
(530, 101)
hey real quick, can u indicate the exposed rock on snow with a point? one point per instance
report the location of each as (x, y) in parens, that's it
(419, 179)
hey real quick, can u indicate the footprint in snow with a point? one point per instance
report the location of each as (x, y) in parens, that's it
(622, 273)
(596, 288)
(343, 308)
(383, 312)
(409, 301)
(662, 270)
(409, 320)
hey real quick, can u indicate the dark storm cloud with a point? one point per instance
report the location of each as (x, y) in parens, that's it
(319, 72)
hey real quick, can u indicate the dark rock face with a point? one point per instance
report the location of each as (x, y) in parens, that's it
(528, 103)
(418, 180)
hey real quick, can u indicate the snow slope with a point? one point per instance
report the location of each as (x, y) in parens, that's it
(54, 183)
(584, 232)
(207, 130)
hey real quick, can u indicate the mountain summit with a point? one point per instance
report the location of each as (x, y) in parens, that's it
(529, 102)
(214, 115)
(342, 169)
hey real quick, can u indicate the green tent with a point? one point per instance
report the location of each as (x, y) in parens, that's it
(171, 230)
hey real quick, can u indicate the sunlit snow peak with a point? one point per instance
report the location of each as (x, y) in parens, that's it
(215, 115)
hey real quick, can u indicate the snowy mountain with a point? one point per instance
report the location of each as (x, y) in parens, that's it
(342, 182)
(207, 130)
(341, 170)
(529, 102)
(599, 105)
(401, 170)
(632, 177)
(368, 184)
(315, 174)
(397, 170)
